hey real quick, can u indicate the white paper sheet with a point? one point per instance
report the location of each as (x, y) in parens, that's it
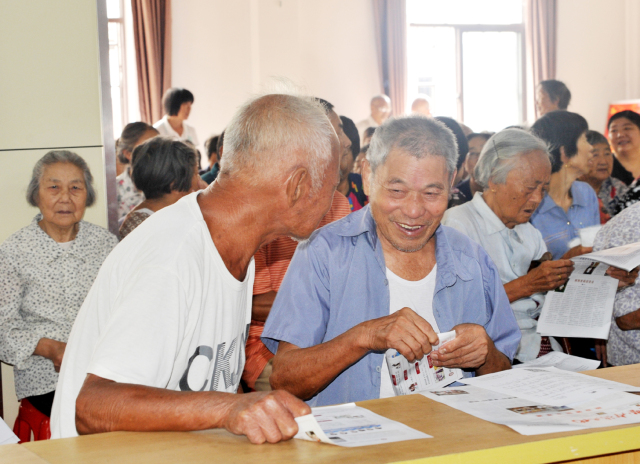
(531, 418)
(588, 235)
(549, 386)
(7, 436)
(409, 378)
(562, 361)
(350, 426)
(580, 308)
(625, 257)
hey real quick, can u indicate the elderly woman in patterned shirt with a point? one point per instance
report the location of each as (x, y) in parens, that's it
(46, 270)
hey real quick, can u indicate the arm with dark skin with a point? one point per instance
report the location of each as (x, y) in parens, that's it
(262, 306)
(306, 371)
(106, 406)
(51, 349)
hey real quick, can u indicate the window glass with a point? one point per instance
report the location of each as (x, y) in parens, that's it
(492, 83)
(432, 67)
(113, 9)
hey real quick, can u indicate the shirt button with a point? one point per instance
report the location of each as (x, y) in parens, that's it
(568, 223)
(377, 368)
(386, 282)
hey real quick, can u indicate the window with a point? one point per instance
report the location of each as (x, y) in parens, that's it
(468, 57)
(117, 72)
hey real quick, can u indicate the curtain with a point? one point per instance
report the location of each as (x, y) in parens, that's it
(391, 40)
(152, 37)
(540, 33)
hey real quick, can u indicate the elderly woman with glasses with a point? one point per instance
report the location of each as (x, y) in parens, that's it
(46, 270)
(514, 169)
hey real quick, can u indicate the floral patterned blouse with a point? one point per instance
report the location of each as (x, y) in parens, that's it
(128, 195)
(623, 347)
(42, 286)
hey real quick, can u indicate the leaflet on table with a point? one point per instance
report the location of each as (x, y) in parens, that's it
(351, 426)
(580, 308)
(7, 437)
(548, 385)
(412, 377)
(534, 418)
(625, 257)
(561, 361)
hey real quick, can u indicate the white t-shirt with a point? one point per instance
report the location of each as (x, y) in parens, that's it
(164, 311)
(417, 295)
(188, 131)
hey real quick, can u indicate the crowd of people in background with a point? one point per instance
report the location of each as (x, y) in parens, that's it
(318, 310)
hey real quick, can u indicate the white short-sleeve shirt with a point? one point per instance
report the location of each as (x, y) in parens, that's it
(164, 312)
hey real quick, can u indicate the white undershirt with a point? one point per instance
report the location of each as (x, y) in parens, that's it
(66, 245)
(417, 295)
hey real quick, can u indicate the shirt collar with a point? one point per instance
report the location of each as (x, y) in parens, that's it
(491, 223)
(79, 248)
(362, 222)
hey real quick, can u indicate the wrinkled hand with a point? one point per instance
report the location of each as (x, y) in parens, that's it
(404, 331)
(625, 278)
(52, 350)
(469, 349)
(57, 353)
(601, 351)
(266, 416)
(577, 251)
(549, 275)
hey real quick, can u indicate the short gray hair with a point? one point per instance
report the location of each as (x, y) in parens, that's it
(270, 131)
(417, 136)
(502, 152)
(59, 156)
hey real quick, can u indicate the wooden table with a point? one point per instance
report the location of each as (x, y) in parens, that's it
(457, 438)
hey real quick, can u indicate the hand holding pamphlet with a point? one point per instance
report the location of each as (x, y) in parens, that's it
(408, 378)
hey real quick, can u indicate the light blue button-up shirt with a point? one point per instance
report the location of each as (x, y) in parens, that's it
(559, 228)
(337, 280)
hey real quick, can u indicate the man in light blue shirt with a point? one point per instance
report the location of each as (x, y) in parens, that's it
(389, 277)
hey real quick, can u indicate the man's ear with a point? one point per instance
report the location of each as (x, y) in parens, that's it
(366, 176)
(297, 185)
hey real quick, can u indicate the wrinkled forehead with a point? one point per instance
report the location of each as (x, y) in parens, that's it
(402, 166)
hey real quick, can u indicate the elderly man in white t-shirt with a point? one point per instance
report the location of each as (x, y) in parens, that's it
(159, 341)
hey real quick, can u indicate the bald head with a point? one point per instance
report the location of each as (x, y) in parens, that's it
(421, 105)
(380, 108)
(273, 134)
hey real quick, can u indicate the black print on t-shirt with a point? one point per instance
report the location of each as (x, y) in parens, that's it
(222, 364)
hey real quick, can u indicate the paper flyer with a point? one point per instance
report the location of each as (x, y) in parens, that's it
(408, 378)
(351, 426)
(535, 418)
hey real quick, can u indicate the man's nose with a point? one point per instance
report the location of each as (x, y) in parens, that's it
(414, 206)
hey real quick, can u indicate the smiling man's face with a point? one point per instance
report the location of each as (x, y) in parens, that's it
(408, 197)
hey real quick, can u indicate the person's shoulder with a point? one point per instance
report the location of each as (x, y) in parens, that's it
(585, 190)
(160, 123)
(462, 245)
(461, 213)
(338, 232)
(167, 229)
(22, 237)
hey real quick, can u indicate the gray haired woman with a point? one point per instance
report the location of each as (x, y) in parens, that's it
(514, 170)
(46, 270)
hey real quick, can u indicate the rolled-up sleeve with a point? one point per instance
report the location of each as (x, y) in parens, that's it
(18, 340)
(300, 312)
